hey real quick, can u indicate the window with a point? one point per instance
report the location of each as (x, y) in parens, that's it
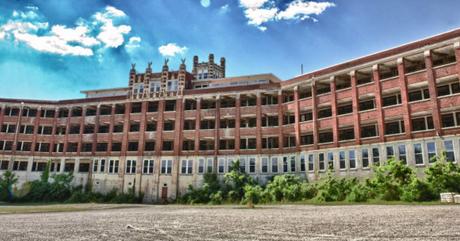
(248, 100)
(449, 89)
(342, 160)
(103, 129)
(248, 143)
(422, 123)
(20, 165)
(45, 130)
(324, 113)
(86, 147)
(134, 127)
(450, 119)
(449, 150)
(369, 131)
(285, 164)
(168, 145)
(293, 164)
(252, 165)
(170, 105)
(248, 122)
(229, 165)
(172, 85)
(390, 152)
(264, 165)
(352, 159)
(289, 141)
(201, 163)
(23, 146)
(210, 165)
(117, 128)
(375, 156)
(38, 166)
(168, 125)
(225, 123)
(269, 121)
(366, 105)
(365, 157)
(391, 100)
(242, 166)
(302, 163)
(289, 118)
(395, 127)
(187, 166)
(345, 109)
(206, 145)
(346, 134)
(274, 164)
(323, 88)
(166, 166)
(130, 166)
(418, 154)
(27, 129)
(330, 160)
(270, 142)
(188, 145)
(311, 162)
(306, 116)
(133, 146)
(136, 107)
(116, 146)
(431, 149)
(402, 153)
(322, 167)
(105, 110)
(152, 126)
(99, 165)
(325, 137)
(306, 139)
(221, 168)
(74, 129)
(269, 100)
(417, 95)
(9, 128)
(113, 166)
(4, 164)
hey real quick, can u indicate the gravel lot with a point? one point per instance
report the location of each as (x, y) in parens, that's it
(287, 222)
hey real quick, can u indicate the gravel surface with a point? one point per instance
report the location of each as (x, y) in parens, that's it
(287, 222)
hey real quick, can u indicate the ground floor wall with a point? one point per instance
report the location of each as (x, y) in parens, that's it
(164, 178)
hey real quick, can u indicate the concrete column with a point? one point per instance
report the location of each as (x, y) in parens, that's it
(77, 164)
(404, 98)
(355, 100)
(159, 134)
(237, 123)
(258, 123)
(53, 137)
(430, 74)
(379, 103)
(67, 130)
(178, 127)
(62, 165)
(126, 125)
(142, 125)
(197, 126)
(297, 117)
(82, 126)
(335, 123)
(280, 120)
(36, 125)
(217, 127)
(96, 129)
(315, 115)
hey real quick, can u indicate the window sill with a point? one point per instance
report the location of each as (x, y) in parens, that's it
(346, 114)
(343, 90)
(416, 72)
(447, 96)
(421, 131)
(450, 127)
(369, 137)
(365, 84)
(418, 101)
(444, 65)
(397, 134)
(390, 78)
(369, 110)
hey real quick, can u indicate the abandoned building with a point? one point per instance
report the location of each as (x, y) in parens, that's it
(166, 129)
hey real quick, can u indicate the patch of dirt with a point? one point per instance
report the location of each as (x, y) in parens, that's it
(287, 222)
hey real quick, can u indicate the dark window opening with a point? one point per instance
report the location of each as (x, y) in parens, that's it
(395, 127)
(170, 105)
(366, 105)
(325, 112)
(136, 107)
(116, 146)
(149, 146)
(133, 146)
(368, 131)
(325, 137)
(188, 145)
(421, 94)
(346, 134)
(306, 139)
(168, 125)
(345, 109)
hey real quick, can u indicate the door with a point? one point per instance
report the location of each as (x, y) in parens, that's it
(164, 194)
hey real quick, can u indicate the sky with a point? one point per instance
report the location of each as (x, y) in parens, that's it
(54, 49)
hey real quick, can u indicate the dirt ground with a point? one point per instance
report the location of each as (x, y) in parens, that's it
(287, 222)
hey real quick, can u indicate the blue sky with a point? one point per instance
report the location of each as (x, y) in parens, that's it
(53, 49)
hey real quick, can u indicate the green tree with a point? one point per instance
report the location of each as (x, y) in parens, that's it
(443, 176)
(252, 195)
(237, 179)
(6, 185)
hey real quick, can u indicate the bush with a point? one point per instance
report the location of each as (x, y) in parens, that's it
(6, 185)
(359, 193)
(252, 195)
(443, 176)
(417, 191)
(216, 198)
(288, 187)
(334, 189)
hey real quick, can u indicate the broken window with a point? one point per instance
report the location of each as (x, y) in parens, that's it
(395, 127)
(246, 100)
(119, 109)
(20, 165)
(269, 100)
(133, 146)
(249, 122)
(188, 145)
(101, 147)
(322, 166)
(394, 99)
(346, 134)
(4, 164)
(322, 88)
(369, 131)
(422, 123)
(208, 104)
(207, 124)
(326, 137)
(105, 110)
(151, 126)
(366, 105)
(170, 105)
(103, 129)
(342, 160)
(168, 145)
(206, 145)
(89, 129)
(365, 157)
(168, 125)
(306, 139)
(86, 147)
(375, 156)
(189, 124)
(149, 146)
(228, 144)
(74, 129)
(134, 127)
(116, 146)
(343, 109)
(227, 123)
(270, 121)
(136, 107)
(117, 128)
(325, 112)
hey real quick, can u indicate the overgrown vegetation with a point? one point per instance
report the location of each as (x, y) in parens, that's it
(394, 181)
(58, 188)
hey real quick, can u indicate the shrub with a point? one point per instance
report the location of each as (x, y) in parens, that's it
(288, 187)
(6, 185)
(216, 198)
(443, 176)
(359, 193)
(334, 189)
(237, 180)
(252, 195)
(417, 191)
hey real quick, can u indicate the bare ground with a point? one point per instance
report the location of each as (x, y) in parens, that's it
(287, 222)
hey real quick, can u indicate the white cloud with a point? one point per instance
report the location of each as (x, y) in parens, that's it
(205, 3)
(171, 50)
(112, 36)
(133, 43)
(259, 12)
(82, 40)
(224, 9)
(253, 3)
(302, 10)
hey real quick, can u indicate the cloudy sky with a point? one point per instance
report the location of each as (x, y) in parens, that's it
(53, 49)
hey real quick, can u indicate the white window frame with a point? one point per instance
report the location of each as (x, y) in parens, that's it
(114, 166)
(150, 166)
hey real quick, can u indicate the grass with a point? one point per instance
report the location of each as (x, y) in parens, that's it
(48, 208)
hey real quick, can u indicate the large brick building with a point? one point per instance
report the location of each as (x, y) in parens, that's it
(162, 132)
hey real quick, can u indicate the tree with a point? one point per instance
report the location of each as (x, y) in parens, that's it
(6, 185)
(237, 179)
(443, 176)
